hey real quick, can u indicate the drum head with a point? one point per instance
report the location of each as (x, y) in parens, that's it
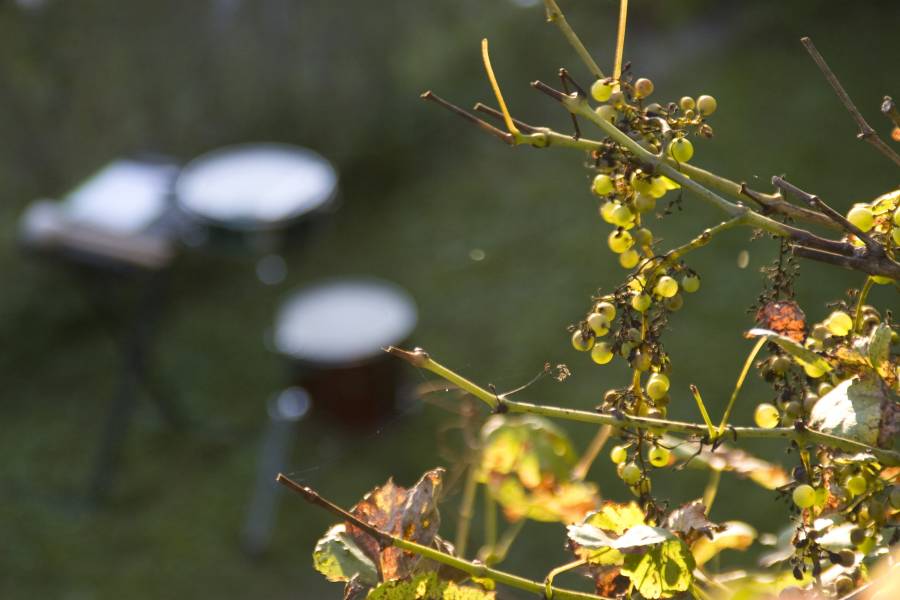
(342, 322)
(255, 186)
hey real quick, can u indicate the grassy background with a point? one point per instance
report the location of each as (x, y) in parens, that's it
(84, 82)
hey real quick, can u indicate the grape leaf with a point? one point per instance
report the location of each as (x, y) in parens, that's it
(690, 520)
(857, 408)
(734, 535)
(593, 538)
(878, 351)
(663, 570)
(428, 586)
(526, 463)
(727, 458)
(338, 558)
(801, 354)
(616, 517)
(408, 513)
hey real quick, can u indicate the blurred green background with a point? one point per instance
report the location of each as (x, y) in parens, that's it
(84, 82)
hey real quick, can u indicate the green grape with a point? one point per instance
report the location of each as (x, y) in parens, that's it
(659, 456)
(804, 496)
(620, 241)
(666, 287)
(581, 343)
(631, 473)
(598, 323)
(686, 103)
(856, 485)
(690, 283)
(601, 90)
(602, 185)
(643, 87)
(618, 454)
(793, 409)
(681, 149)
(606, 309)
(601, 353)
(617, 99)
(657, 386)
(622, 215)
(781, 364)
(641, 361)
(606, 113)
(629, 259)
(839, 323)
(766, 416)
(637, 284)
(689, 115)
(674, 303)
(658, 188)
(640, 302)
(706, 105)
(861, 216)
(843, 585)
(640, 182)
(606, 211)
(643, 237)
(644, 203)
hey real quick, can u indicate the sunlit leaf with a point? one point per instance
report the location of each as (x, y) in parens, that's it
(338, 558)
(801, 354)
(616, 518)
(755, 586)
(690, 520)
(879, 350)
(853, 409)
(735, 535)
(427, 586)
(662, 570)
(593, 538)
(727, 458)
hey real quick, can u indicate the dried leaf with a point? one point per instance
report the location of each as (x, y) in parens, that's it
(784, 318)
(690, 520)
(727, 458)
(734, 535)
(427, 586)
(338, 558)
(411, 514)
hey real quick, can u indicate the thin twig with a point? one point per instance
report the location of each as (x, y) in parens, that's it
(865, 130)
(523, 127)
(565, 78)
(484, 125)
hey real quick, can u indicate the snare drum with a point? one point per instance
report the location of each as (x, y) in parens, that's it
(333, 335)
(245, 198)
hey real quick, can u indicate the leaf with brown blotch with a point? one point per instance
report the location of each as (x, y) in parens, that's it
(609, 581)
(785, 318)
(408, 513)
(727, 458)
(690, 520)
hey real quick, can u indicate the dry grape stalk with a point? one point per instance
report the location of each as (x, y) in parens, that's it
(833, 402)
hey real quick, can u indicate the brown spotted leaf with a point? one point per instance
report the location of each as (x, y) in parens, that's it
(784, 318)
(690, 521)
(408, 513)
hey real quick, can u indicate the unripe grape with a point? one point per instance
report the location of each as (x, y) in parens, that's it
(857, 536)
(781, 364)
(598, 323)
(666, 287)
(606, 309)
(622, 215)
(809, 401)
(793, 409)
(640, 302)
(581, 343)
(681, 149)
(620, 241)
(659, 456)
(839, 323)
(690, 283)
(657, 386)
(641, 361)
(602, 185)
(637, 283)
(686, 103)
(629, 259)
(843, 585)
(631, 473)
(643, 237)
(689, 114)
(640, 182)
(606, 211)
(658, 187)
(618, 454)
(643, 87)
(601, 353)
(819, 332)
(617, 99)
(644, 203)
(706, 105)
(626, 348)
(856, 485)
(601, 90)
(804, 496)
(862, 217)
(766, 416)
(674, 303)
(606, 113)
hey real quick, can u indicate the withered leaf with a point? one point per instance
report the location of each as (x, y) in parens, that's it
(690, 520)
(408, 513)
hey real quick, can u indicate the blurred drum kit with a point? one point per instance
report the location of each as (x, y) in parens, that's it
(134, 217)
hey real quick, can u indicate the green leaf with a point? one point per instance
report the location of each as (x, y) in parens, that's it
(338, 558)
(663, 570)
(801, 354)
(735, 536)
(427, 586)
(853, 409)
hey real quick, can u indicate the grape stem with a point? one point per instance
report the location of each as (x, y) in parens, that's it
(556, 16)
(499, 403)
(475, 569)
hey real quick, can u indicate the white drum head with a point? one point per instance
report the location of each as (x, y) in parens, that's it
(255, 186)
(344, 321)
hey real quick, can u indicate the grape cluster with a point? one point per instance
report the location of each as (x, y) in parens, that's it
(880, 219)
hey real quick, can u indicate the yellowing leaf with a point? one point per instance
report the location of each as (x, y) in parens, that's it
(735, 535)
(338, 558)
(662, 571)
(427, 586)
(616, 518)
